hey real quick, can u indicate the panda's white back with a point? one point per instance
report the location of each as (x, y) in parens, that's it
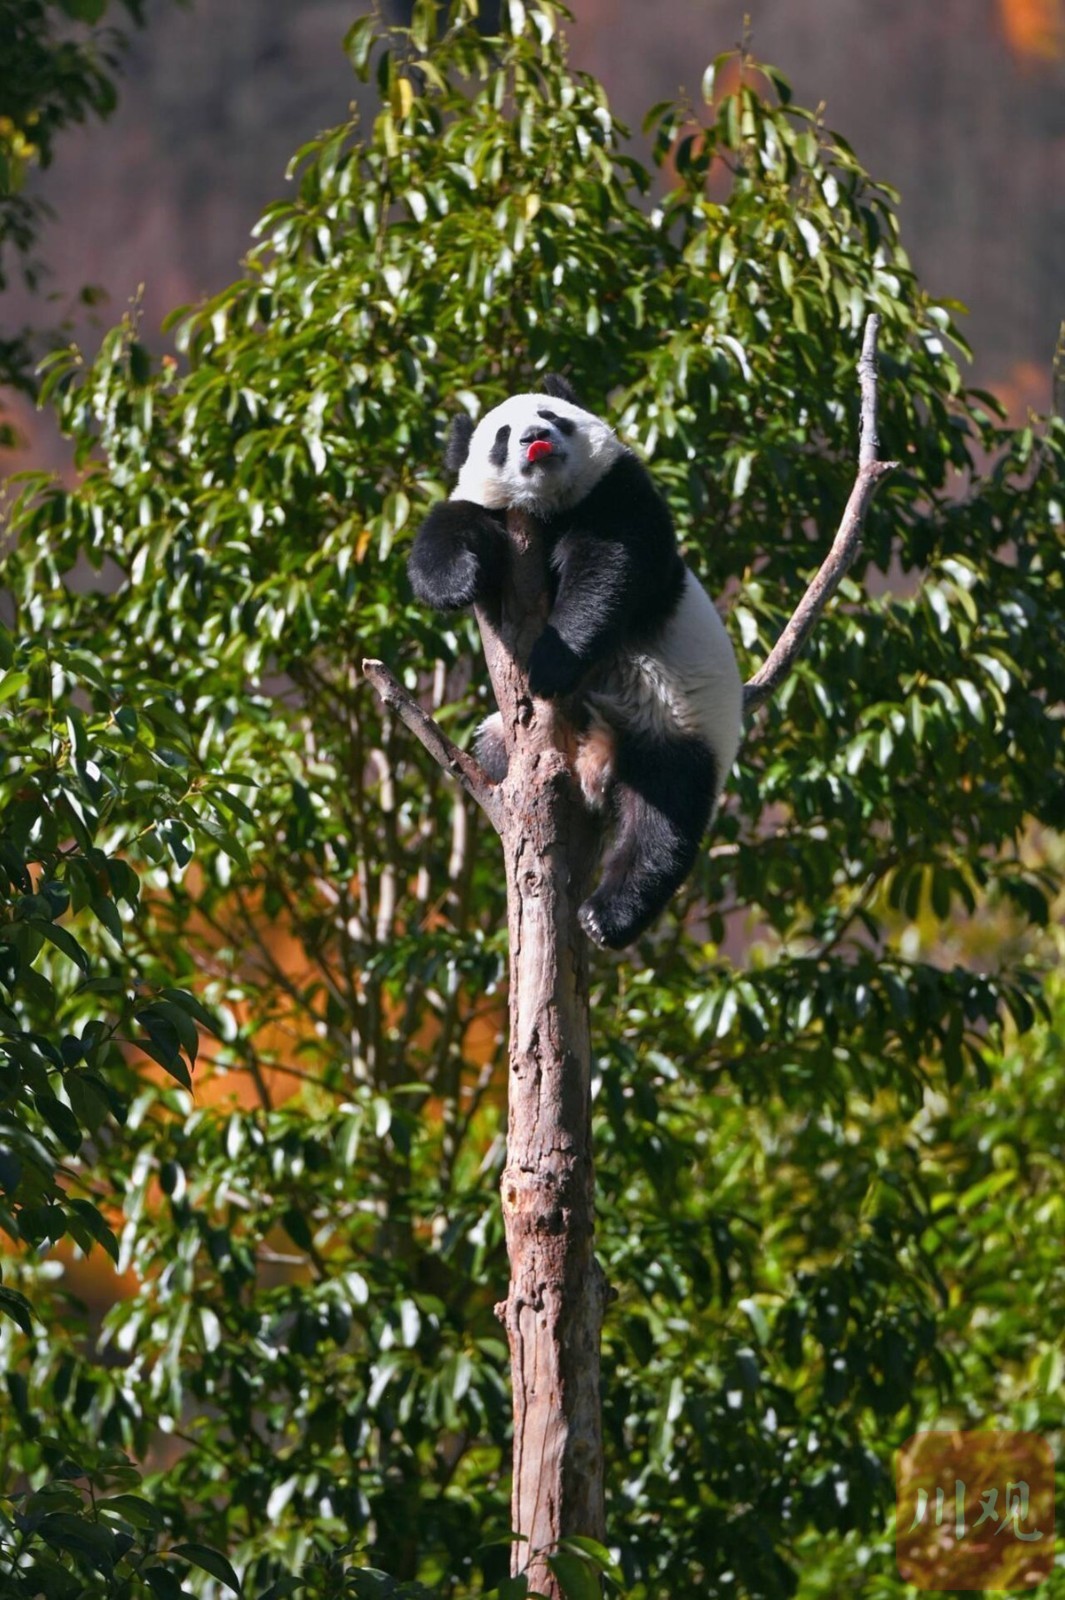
(686, 681)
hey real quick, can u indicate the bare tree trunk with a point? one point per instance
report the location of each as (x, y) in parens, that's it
(553, 1313)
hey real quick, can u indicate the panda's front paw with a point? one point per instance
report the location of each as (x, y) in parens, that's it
(458, 586)
(458, 556)
(554, 668)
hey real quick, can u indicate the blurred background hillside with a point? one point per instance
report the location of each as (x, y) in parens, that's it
(959, 104)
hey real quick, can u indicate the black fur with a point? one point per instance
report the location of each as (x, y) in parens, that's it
(663, 793)
(558, 388)
(565, 425)
(498, 453)
(616, 576)
(458, 442)
(459, 556)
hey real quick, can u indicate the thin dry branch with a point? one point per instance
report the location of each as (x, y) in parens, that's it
(470, 774)
(783, 655)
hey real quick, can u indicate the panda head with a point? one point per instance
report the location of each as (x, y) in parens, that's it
(540, 453)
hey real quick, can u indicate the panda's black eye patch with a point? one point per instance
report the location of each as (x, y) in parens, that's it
(498, 453)
(565, 425)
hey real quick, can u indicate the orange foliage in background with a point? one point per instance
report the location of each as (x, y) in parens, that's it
(1034, 27)
(1026, 388)
(283, 1031)
(734, 74)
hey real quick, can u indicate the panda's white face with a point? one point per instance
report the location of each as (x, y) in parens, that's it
(537, 454)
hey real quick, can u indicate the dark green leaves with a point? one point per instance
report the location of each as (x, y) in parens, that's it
(17, 1307)
(210, 1561)
(84, 10)
(78, 800)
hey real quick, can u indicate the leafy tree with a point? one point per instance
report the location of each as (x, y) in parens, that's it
(804, 1094)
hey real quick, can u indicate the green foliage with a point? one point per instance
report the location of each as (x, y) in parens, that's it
(89, 786)
(304, 1355)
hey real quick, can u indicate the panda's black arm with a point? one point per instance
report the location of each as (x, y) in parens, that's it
(459, 556)
(619, 574)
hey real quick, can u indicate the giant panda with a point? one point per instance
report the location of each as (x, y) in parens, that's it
(631, 634)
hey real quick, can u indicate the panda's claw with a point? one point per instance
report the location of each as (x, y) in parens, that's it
(590, 923)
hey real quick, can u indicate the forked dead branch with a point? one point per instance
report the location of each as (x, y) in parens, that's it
(554, 1310)
(833, 569)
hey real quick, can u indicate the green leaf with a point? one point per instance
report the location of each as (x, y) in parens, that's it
(577, 1577)
(195, 1008)
(359, 42)
(168, 1057)
(597, 1553)
(11, 683)
(165, 1584)
(210, 1561)
(63, 941)
(140, 363)
(84, 10)
(96, 1226)
(134, 1509)
(178, 1017)
(515, 1588)
(295, 1225)
(61, 1120)
(17, 1307)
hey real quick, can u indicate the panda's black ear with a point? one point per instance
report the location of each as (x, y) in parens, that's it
(559, 388)
(458, 442)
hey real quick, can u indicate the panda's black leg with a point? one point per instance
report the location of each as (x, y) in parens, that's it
(458, 556)
(663, 795)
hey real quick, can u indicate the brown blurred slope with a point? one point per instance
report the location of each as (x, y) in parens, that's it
(959, 103)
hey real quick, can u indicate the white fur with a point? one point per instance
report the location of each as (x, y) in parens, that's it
(687, 681)
(578, 461)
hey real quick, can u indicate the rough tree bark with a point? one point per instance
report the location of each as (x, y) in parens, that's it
(553, 1313)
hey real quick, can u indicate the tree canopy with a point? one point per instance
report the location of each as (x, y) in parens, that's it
(251, 957)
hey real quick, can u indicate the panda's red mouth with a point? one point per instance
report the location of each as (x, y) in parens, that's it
(537, 451)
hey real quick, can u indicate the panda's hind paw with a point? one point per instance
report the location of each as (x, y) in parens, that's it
(590, 923)
(613, 921)
(607, 931)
